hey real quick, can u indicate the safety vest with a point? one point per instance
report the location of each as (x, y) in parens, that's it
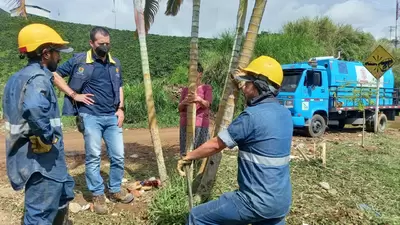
(21, 161)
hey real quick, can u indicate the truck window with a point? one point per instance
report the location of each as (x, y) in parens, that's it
(313, 78)
(291, 78)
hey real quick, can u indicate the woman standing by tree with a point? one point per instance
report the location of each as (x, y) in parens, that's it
(203, 101)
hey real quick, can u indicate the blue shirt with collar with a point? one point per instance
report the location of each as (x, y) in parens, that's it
(263, 133)
(89, 74)
(101, 87)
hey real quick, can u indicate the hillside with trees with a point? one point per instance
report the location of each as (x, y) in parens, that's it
(169, 56)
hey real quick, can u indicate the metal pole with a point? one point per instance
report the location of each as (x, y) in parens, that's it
(377, 107)
(115, 16)
(395, 29)
(395, 36)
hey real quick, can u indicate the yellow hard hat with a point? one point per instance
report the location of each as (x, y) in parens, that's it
(267, 67)
(34, 35)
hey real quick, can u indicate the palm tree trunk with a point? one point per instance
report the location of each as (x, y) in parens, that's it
(230, 95)
(241, 18)
(191, 108)
(155, 137)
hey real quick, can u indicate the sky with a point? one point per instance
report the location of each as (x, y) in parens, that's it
(217, 16)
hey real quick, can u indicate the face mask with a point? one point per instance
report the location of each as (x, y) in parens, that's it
(102, 50)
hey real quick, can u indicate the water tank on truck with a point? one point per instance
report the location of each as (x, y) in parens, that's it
(328, 92)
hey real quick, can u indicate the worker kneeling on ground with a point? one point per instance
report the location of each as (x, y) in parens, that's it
(263, 133)
(34, 140)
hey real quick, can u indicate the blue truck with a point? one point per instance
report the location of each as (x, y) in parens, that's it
(327, 92)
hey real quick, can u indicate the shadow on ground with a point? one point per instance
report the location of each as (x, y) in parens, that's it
(346, 130)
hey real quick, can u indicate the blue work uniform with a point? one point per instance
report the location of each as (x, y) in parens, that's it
(263, 133)
(31, 109)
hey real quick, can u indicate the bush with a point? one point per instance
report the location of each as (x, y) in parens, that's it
(136, 108)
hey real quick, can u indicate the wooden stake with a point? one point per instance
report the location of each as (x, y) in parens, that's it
(302, 154)
(323, 154)
(315, 150)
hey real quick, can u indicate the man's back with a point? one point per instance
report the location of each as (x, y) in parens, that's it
(264, 175)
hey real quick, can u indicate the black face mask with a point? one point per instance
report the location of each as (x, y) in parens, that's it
(102, 50)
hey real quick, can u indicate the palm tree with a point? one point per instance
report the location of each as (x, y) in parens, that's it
(226, 99)
(20, 5)
(191, 109)
(145, 11)
(230, 94)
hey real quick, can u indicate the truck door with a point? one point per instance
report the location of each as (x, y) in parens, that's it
(315, 92)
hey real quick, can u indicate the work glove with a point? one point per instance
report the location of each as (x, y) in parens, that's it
(237, 72)
(39, 147)
(181, 164)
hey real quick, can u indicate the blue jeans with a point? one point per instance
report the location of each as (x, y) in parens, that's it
(229, 208)
(96, 129)
(44, 197)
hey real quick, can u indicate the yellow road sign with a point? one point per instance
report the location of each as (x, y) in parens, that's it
(379, 62)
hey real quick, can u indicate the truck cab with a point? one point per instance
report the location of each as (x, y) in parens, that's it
(305, 92)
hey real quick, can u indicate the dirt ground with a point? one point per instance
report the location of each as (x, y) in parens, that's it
(140, 157)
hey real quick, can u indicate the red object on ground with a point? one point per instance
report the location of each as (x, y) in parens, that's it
(152, 183)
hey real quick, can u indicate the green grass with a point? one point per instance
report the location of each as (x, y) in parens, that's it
(170, 205)
(360, 176)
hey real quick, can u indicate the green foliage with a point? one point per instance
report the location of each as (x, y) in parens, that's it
(170, 205)
(136, 110)
(354, 44)
(165, 52)
(288, 48)
(169, 57)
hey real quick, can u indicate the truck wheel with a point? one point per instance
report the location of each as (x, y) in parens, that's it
(382, 123)
(317, 126)
(382, 119)
(369, 126)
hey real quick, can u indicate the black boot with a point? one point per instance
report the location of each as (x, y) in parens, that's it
(62, 217)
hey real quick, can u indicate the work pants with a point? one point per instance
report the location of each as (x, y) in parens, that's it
(228, 209)
(44, 197)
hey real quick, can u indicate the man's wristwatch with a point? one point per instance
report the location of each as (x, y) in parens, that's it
(122, 108)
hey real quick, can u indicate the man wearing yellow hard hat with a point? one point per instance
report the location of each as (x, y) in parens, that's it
(263, 132)
(34, 140)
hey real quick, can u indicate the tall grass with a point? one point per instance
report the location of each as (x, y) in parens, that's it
(361, 176)
(165, 103)
(170, 205)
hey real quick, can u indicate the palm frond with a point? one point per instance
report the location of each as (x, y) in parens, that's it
(19, 4)
(150, 11)
(173, 7)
